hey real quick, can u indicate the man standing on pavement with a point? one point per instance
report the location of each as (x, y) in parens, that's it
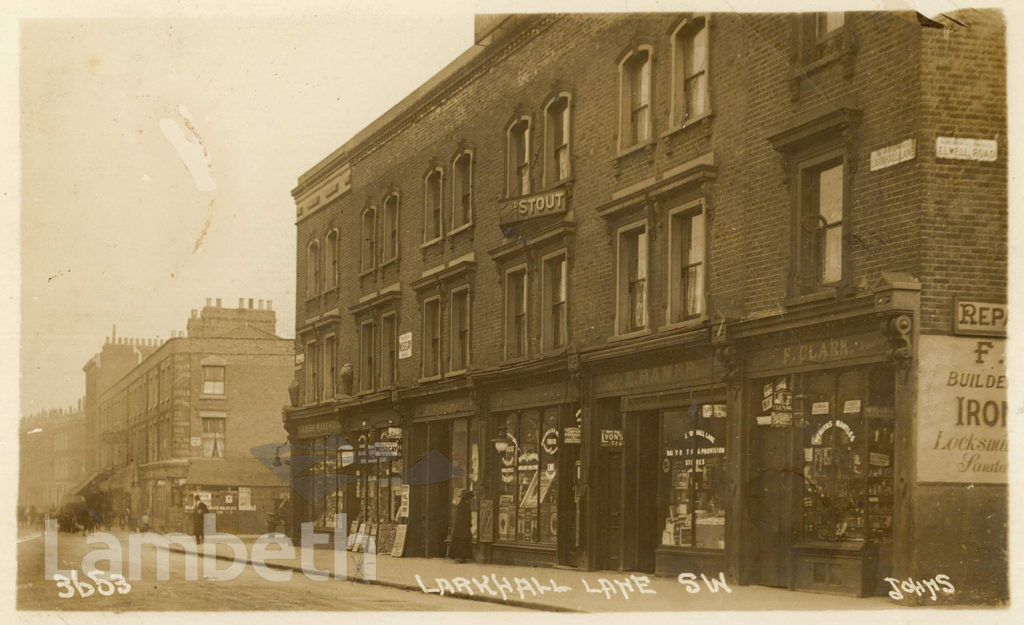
(197, 519)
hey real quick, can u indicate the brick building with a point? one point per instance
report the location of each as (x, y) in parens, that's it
(672, 293)
(51, 460)
(171, 419)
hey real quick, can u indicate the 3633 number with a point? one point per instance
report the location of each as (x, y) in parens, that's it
(101, 582)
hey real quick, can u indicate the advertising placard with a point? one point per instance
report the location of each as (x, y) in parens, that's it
(962, 410)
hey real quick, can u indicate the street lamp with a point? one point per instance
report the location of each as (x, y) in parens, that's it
(501, 440)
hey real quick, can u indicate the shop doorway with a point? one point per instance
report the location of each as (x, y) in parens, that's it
(429, 497)
(640, 514)
(774, 484)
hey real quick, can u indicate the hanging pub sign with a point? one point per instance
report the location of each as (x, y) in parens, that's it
(537, 205)
(611, 438)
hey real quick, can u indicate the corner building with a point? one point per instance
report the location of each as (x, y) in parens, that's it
(672, 292)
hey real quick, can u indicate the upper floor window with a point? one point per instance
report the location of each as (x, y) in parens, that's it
(214, 437)
(690, 71)
(367, 347)
(330, 366)
(635, 99)
(432, 337)
(462, 190)
(213, 380)
(821, 207)
(312, 371)
(313, 268)
(556, 139)
(821, 35)
(459, 353)
(391, 227)
(368, 233)
(432, 206)
(331, 260)
(827, 23)
(555, 325)
(631, 271)
(388, 349)
(686, 262)
(515, 312)
(519, 158)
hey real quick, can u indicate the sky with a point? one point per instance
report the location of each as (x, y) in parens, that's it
(158, 156)
(159, 142)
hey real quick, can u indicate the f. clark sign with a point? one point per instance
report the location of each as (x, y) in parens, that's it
(536, 205)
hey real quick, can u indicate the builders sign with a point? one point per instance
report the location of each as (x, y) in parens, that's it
(962, 409)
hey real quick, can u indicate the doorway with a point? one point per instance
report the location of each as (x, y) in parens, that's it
(773, 487)
(640, 513)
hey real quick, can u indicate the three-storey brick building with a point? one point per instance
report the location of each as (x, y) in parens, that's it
(672, 293)
(184, 417)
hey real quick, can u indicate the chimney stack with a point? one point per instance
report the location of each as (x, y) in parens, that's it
(209, 301)
(195, 313)
(241, 302)
(269, 306)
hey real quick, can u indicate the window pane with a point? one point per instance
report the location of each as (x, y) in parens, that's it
(832, 252)
(528, 477)
(549, 444)
(830, 194)
(696, 239)
(710, 488)
(696, 95)
(698, 52)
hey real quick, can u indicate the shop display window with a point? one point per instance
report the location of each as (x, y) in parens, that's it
(846, 432)
(528, 469)
(693, 476)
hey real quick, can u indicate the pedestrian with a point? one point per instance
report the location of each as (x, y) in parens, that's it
(197, 519)
(22, 515)
(461, 548)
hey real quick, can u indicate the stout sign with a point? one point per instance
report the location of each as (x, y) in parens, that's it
(536, 205)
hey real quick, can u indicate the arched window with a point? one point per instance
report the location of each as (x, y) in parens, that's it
(313, 268)
(331, 261)
(519, 158)
(462, 190)
(556, 140)
(690, 87)
(635, 98)
(391, 227)
(432, 206)
(368, 245)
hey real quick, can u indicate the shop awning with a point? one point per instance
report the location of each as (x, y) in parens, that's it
(90, 482)
(121, 479)
(231, 472)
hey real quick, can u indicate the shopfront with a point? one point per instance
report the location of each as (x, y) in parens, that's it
(443, 459)
(821, 425)
(316, 457)
(660, 472)
(535, 468)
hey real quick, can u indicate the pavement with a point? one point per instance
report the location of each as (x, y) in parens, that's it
(543, 588)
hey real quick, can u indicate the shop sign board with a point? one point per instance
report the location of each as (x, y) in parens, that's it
(572, 435)
(455, 405)
(958, 148)
(316, 428)
(386, 449)
(405, 346)
(537, 205)
(817, 352)
(962, 410)
(611, 438)
(979, 318)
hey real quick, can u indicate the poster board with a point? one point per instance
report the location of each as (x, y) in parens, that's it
(398, 548)
(486, 521)
(386, 538)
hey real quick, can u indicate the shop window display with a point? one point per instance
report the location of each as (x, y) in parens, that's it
(527, 492)
(694, 476)
(846, 428)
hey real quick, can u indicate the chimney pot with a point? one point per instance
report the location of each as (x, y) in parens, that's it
(250, 303)
(270, 304)
(218, 302)
(209, 301)
(261, 304)
(195, 313)
(241, 302)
